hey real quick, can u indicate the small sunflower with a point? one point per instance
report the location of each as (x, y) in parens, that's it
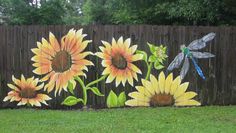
(24, 91)
(118, 59)
(60, 63)
(162, 92)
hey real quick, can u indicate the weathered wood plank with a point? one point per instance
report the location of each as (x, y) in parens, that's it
(218, 89)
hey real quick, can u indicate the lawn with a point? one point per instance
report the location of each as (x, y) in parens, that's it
(210, 119)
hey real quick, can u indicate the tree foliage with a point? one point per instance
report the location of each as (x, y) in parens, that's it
(18, 12)
(163, 12)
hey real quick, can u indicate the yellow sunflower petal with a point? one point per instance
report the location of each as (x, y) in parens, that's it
(47, 48)
(41, 59)
(127, 43)
(135, 68)
(134, 75)
(148, 86)
(54, 42)
(113, 42)
(79, 32)
(12, 87)
(175, 84)
(23, 78)
(168, 83)
(135, 102)
(137, 57)
(16, 81)
(20, 103)
(13, 98)
(123, 81)
(30, 80)
(24, 101)
(102, 48)
(154, 84)
(7, 98)
(133, 49)
(42, 70)
(50, 86)
(34, 102)
(188, 103)
(80, 56)
(100, 55)
(186, 96)
(120, 41)
(130, 78)
(181, 90)
(144, 91)
(31, 102)
(139, 96)
(40, 86)
(161, 82)
(118, 80)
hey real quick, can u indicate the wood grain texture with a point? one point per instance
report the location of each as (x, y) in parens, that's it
(218, 89)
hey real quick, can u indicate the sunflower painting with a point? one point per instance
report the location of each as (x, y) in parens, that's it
(60, 62)
(118, 58)
(162, 92)
(24, 91)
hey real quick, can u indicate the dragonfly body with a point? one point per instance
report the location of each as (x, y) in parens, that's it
(190, 52)
(186, 51)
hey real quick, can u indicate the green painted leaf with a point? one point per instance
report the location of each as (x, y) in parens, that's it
(71, 88)
(96, 91)
(71, 100)
(143, 53)
(152, 58)
(121, 99)
(158, 66)
(112, 100)
(152, 48)
(160, 60)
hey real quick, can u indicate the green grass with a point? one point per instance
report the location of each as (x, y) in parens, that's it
(210, 119)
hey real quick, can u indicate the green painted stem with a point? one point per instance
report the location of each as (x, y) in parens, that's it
(96, 81)
(149, 70)
(85, 97)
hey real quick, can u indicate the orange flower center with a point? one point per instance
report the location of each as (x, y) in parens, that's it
(28, 93)
(119, 61)
(61, 62)
(162, 100)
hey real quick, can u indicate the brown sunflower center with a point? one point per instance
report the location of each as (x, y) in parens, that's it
(61, 62)
(162, 100)
(27, 93)
(119, 61)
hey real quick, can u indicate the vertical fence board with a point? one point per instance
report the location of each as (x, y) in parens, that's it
(16, 43)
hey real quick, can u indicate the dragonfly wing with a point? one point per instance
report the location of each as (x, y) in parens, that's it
(185, 68)
(202, 54)
(201, 43)
(176, 62)
(209, 37)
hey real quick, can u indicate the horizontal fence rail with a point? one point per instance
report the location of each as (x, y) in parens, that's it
(218, 89)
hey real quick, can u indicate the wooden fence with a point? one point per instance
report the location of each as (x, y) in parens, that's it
(218, 89)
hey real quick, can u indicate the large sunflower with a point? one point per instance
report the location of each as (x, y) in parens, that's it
(118, 59)
(61, 62)
(162, 92)
(24, 91)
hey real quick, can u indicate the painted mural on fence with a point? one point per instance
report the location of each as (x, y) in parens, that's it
(62, 64)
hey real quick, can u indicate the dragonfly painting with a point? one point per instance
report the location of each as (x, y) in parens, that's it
(190, 52)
